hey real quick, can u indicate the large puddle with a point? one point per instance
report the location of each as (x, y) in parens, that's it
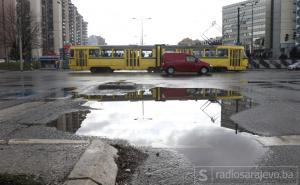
(195, 122)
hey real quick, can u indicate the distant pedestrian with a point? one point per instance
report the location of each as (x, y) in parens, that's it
(56, 65)
(61, 65)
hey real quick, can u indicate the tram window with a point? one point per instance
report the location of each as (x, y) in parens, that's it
(197, 53)
(170, 50)
(119, 53)
(72, 53)
(210, 53)
(202, 53)
(190, 59)
(106, 53)
(94, 53)
(147, 53)
(222, 53)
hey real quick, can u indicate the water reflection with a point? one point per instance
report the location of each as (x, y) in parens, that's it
(155, 116)
(69, 122)
(195, 122)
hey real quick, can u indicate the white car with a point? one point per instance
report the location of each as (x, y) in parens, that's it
(295, 66)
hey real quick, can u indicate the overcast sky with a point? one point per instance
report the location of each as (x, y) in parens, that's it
(171, 20)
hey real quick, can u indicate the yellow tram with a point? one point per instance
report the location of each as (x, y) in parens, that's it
(110, 58)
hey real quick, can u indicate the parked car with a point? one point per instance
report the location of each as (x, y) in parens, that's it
(295, 66)
(181, 62)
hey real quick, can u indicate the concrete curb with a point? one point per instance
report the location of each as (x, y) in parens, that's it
(280, 141)
(2, 142)
(96, 166)
(80, 182)
(45, 141)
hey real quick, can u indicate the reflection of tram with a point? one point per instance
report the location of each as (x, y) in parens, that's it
(164, 94)
(230, 102)
(110, 58)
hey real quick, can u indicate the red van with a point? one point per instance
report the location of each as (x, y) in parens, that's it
(182, 62)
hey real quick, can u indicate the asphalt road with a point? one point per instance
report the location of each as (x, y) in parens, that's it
(30, 100)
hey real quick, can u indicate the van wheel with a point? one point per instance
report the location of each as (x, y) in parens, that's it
(203, 71)
(170, 71)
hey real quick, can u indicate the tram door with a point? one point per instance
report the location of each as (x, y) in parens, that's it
(81, 59)
(132, 59)
(235, 59)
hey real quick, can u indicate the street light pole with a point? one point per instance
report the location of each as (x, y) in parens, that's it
(142, 37)
(142, 28)
(252, 31)
(239, 27)
(252, 28)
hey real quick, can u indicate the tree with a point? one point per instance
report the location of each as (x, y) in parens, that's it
(186, 42)
(19, 22)
(7, 29)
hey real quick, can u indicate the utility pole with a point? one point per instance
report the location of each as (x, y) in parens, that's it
(238, 27)
(20, 35)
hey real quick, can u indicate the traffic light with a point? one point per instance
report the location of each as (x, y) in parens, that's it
(286, 37)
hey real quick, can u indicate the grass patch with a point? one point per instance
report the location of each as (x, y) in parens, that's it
(15, 66)
(21, 179)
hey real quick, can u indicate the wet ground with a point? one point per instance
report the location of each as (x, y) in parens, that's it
(180, 122)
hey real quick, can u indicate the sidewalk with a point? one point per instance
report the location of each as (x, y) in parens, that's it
(60, 162)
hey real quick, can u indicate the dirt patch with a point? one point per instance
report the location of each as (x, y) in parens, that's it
(128, 161)
(7, 179)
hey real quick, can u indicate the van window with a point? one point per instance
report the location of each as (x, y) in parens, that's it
(191, 59)
(197, 53)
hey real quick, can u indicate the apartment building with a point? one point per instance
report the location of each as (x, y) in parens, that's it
(297, 23)
(66, 21)
(284, 25)
(85, 39)
(55, 22)
(274, 25)
(242, 11)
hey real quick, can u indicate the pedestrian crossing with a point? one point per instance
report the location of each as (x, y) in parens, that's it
(272, 64)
